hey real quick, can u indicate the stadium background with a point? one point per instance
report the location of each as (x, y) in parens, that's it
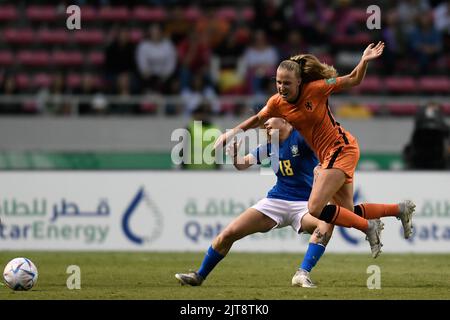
(86, 118)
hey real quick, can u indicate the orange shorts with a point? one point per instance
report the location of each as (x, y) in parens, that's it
(344, 157)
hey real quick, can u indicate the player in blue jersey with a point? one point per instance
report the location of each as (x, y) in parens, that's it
(286, 204)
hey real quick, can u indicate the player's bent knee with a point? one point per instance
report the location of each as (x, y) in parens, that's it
(313, 210)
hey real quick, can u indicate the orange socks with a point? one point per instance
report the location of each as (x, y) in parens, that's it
(375, 210)
(343, 217)
(346, 218)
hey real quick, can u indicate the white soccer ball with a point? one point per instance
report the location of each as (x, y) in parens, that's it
(20, 274)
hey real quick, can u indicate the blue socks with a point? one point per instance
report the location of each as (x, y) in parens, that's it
(212, 258)
(312, 255)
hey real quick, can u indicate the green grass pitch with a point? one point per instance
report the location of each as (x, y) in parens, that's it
(246, 276)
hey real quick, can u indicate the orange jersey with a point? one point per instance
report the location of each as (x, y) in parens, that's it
(312, 117)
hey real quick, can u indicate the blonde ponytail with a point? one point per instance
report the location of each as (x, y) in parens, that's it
(309, 68)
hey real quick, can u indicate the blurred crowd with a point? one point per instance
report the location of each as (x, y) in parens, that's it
(202, 50)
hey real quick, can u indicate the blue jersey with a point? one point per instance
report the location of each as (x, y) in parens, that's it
(296, 162)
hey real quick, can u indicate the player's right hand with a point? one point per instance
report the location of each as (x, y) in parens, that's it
(221, 141)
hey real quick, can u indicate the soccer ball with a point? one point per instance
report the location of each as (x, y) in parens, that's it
(20, 274)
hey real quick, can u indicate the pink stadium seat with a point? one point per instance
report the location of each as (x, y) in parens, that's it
(401, 84)
(446, 108)
(23, 81)
(248, 14)
(136, 35)
(73, 80)
(96, 58)
(149, 14)
(371, 84)
(6, 58)
(358, 15)
(41, 80)
(33, 58)
(8, 13)
(435, 84)
(375, 108)
(148, 107)
(361, 38)
(402, 109)
(327, 58)
(18, 36)
(67, 58)
(41, 13)
(242, 35)
(192, 13)
(30, 106)
(89, 37)
(88, 14)
(119, 13)
(226, 13)
(56, 36)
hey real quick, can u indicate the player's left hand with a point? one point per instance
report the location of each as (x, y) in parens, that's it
(232, 149)
(373, 51)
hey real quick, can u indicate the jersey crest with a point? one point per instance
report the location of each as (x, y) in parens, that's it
(295, 151)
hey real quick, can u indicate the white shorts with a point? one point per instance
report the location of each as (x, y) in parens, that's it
(283, 212)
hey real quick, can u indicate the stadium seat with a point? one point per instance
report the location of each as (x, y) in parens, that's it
(357, 15)
(115, 14)
(88, 14)
(30, 106)
(136, 35)
(226, 13)
(242, 35)
(148, 107)
(96, 58)
(371, 84)
(149, 14)
(401, 85)
(57, 36)
(89, 37)
(23, 81)
(192, 14)
(446, 108)
(327, 58)
(73, 81)
(41, 80)
(359, 39)
(41, 13)
(33, 58)
(402, 109)
(375, 108)
(434, 84)
(8, 13)
(18, 36)
(6, 58)
(67, 58)
(248, 14)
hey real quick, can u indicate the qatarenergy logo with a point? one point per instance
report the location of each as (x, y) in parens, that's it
(143, 231)
(196, 145)
(40, 219)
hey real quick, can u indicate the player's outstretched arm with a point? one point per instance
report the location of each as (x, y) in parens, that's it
(252, 122)
(240, 163)
(357, 75)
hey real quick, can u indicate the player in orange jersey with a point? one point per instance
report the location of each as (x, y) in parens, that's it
(304, 85)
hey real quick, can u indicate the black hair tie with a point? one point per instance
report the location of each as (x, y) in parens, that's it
(301, 64)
